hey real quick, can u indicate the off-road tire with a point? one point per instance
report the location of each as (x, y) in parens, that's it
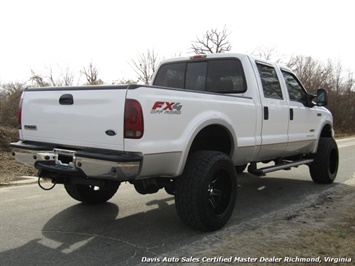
(326, 161)
(91, 194)
(205, 194)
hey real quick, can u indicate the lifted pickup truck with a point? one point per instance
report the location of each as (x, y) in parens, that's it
(201, 121)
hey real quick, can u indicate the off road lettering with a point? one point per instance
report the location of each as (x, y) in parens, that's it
(166, 108)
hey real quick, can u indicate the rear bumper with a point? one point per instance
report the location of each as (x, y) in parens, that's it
(98, 164)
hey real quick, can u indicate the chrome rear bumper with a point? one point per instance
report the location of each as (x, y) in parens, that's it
(101, 164)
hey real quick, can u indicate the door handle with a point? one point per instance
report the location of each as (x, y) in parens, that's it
(266, 113)
(291, 114)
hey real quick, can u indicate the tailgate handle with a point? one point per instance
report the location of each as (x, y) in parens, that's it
(66, 99)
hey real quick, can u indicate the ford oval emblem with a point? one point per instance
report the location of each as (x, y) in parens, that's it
(110, 133)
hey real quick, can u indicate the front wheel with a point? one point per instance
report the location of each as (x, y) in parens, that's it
(326, 161)
(206, 192)
(92, 194)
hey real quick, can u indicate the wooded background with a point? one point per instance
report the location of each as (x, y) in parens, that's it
(313, 73)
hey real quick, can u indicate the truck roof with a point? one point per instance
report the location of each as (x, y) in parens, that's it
(204, 56)
(223, 55)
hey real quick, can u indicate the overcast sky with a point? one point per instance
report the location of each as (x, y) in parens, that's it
(42, 34)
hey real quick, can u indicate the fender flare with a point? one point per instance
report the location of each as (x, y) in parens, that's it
(191, 134)
(326, 123)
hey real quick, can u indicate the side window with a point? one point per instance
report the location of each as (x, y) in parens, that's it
(171, 75)
(270, 82)
(294, 87)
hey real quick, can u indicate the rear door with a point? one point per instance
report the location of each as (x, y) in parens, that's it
(275, 113)
(90, 117)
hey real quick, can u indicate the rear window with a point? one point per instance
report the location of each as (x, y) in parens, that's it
(222, 75)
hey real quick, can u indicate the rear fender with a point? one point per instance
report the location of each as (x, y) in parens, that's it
(195, 128)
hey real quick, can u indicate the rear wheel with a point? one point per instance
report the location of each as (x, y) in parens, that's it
(325, 166)
(206, 192)
(92, 194)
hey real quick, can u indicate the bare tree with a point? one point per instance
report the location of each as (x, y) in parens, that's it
(312, 73)
(125, 81)
(38, 80)
(213, 41)
(145, 65)
(10, 94)
(65, 78)
(91, 74)
(267, 53)
(341, 87)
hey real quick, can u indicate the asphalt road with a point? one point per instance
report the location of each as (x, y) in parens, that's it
(40, 227)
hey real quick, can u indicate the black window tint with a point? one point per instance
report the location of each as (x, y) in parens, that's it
(270, 82)
(221, 75)
(294, 88)
(196, 76)
(225, 76)
(171, 75)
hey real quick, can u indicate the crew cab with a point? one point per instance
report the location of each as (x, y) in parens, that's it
(201, 121)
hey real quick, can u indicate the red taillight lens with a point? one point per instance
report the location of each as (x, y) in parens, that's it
(133, 120)
(201, 56)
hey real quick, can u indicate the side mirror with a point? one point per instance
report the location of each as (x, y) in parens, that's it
(322, 97)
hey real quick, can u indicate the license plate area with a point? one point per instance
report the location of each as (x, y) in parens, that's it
(64, 157)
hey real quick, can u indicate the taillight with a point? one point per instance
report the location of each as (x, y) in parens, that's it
(133, 120)
(201, 56)
(19, 114)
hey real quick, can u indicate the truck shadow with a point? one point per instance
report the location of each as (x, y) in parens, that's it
(96, 235)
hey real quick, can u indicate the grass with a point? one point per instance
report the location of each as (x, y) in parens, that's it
(10, 168)
(325, 231)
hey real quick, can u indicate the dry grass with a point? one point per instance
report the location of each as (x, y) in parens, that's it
(10, 168)
(324, 229)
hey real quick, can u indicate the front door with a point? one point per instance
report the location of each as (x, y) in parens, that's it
(303, 118)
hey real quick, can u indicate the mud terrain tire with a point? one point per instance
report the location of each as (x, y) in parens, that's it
(205, 194)
(326, 161)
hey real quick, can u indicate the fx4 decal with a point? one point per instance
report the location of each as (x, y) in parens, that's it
(171, 108)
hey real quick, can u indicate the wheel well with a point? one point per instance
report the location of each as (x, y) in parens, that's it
(214, 138)
(326, 131)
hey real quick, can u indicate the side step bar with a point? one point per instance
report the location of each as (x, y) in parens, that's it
(262, 171)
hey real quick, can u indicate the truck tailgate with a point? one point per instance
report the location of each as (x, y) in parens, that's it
(89, 117)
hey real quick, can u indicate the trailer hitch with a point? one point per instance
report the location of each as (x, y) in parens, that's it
(45, 180)
(46, 183)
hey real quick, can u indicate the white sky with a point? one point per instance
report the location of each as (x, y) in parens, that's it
(42, 34)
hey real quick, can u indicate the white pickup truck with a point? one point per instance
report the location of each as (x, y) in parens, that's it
(201, 121)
